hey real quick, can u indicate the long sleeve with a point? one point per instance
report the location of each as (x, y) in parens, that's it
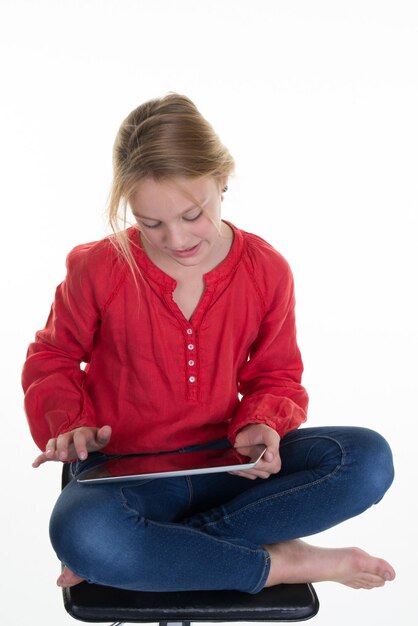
(52, 378)
(270, 380)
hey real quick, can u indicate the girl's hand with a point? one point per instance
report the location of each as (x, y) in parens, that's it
(75, 444)
(271, 462)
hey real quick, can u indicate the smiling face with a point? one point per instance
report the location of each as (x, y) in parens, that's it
(180, 221)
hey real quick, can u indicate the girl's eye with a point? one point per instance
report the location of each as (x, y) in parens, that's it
(192, 219)
(186, 219)
(150, 225)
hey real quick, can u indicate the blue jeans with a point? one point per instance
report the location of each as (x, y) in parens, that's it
(208, 531)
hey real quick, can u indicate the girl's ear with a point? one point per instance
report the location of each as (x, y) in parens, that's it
(223, 184)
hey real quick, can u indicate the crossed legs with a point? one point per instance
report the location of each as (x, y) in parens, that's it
(222, 531)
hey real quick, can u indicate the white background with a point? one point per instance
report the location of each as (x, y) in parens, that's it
(318, 103)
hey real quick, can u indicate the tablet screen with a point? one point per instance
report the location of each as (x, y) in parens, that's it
(133, 467)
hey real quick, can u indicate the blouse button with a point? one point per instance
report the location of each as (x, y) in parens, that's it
(191, 363)
(189, 331)
(190, 346)
(192, 379)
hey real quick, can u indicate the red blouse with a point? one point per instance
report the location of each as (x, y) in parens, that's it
(160, 381)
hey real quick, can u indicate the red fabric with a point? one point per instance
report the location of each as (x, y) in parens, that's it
(142, 353)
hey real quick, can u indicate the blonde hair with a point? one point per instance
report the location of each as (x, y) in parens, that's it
(163, 139)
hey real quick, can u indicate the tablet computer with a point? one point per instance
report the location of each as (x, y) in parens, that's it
(145, 466)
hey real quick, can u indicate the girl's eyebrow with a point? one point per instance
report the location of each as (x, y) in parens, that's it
(154, 219)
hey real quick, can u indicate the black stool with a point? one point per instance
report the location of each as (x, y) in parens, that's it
(96, 603)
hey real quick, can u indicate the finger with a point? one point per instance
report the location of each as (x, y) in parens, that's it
(62, 446)
(272, 451)
(80, 444)
(50, 454)
(260, 474)
(252, 474)
(41, 458)
(103, 436)
(265, 466)
(243, 474)
(272, 463)
(51, 448)
(268, 456)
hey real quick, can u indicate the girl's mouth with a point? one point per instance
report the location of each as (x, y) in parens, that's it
(187, 252)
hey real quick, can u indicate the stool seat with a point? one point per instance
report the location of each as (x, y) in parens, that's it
(282, 603)
(97, 603)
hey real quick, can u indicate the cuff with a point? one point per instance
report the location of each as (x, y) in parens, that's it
(278, 412)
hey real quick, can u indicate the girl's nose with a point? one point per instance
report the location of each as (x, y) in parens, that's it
(176, 237)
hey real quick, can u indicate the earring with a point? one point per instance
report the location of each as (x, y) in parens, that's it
(225, 188)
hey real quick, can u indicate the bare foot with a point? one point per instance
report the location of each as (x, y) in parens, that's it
(68, 578)
(298, 562)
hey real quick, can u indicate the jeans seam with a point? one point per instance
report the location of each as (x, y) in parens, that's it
(285, 443)
(125, 503)
(288, 491)
(256, 587)
(197, 531)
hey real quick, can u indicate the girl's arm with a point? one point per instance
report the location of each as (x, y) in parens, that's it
(270, 381)
(52, 378)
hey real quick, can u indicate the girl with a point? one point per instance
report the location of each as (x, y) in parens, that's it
(180, 332)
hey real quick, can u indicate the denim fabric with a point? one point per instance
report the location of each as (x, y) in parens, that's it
(208, 531)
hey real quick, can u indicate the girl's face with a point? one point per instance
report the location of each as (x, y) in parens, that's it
(179, 219)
